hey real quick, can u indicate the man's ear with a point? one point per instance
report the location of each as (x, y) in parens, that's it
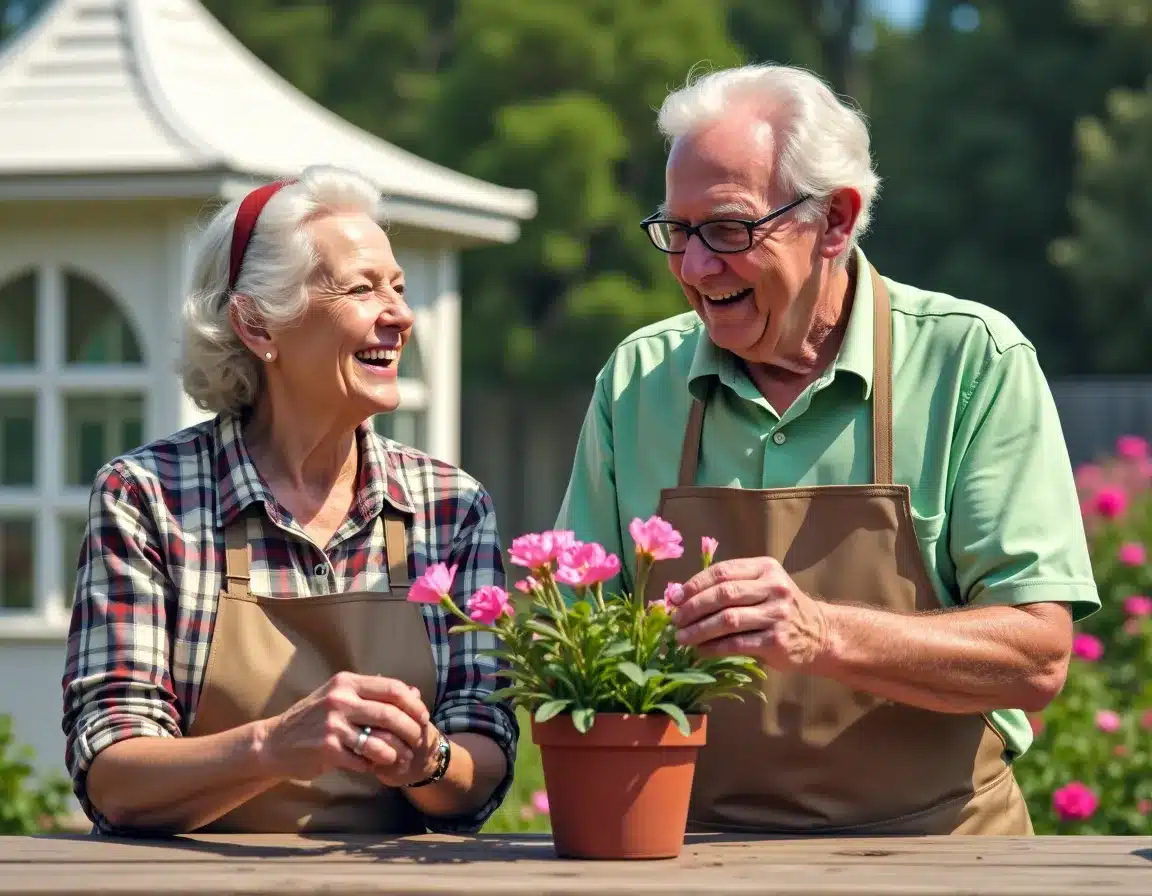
(248, 326)
(839, 222)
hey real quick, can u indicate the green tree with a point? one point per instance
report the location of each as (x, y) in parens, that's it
(560, 98)
(1107, 257)
(974, 138)
(16, 14)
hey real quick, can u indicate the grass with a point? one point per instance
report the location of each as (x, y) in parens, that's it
(517, 815)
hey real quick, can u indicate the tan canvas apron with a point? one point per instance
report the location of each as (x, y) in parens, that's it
(267, 653)
(820, 757)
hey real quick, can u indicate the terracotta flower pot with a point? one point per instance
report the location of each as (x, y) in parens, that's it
(620, 791)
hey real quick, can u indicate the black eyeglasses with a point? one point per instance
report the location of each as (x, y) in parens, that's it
(722, 235)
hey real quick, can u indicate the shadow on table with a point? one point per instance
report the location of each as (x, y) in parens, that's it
(428, 849)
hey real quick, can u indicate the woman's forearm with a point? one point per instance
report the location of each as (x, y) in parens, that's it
(179, 784)
(478, 765)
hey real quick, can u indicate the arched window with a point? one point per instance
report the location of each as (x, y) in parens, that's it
(73, 384)
(408, 424)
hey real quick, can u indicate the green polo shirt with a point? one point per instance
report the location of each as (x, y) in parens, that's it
(976, 437)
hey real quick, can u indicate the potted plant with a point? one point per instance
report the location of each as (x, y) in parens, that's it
(619, 708)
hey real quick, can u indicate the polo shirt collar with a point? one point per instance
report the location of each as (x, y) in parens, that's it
(709, 361)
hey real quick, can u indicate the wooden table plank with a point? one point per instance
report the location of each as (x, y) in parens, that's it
(498, 865)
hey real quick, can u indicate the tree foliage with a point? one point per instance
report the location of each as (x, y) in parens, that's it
(1107, 255)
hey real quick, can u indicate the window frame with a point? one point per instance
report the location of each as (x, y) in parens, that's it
(50, 501)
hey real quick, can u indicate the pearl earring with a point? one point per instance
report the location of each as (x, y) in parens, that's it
(267, 356)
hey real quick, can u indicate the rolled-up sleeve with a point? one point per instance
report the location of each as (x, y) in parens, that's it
(116, 682)
(1016, 532)
(470, 678)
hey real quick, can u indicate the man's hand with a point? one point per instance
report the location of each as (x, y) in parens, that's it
(750, 606)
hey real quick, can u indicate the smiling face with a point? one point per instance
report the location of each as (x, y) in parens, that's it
(343, 355)
(753, 302)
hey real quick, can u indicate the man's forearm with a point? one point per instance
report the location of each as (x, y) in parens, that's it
(178, 784)
(965, 660)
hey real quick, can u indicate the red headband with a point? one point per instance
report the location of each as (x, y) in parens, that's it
(246, 217)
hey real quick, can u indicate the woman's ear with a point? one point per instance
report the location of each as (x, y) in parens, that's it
(247, 325)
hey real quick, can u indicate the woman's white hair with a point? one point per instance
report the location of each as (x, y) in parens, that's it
(218, 370)
(821, 146)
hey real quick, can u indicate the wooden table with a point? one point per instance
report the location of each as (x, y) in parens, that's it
(497, 866)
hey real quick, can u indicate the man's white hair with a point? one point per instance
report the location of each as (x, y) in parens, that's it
(219, 372)
(822, 144)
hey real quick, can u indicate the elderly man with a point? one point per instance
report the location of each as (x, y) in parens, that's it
(900, 538)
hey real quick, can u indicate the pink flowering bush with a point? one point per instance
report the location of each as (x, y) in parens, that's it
(572, 649)
(1089, 770)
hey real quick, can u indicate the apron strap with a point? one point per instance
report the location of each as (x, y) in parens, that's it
(881, 399)
(395, 550)
(881, 382)
(690, 452)
(237, 576)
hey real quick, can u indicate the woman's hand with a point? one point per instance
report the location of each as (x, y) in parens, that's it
(322, 731)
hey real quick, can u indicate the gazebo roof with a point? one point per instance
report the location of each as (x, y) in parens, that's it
(110, 90)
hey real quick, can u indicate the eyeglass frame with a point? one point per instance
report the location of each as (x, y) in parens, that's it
(695, 229)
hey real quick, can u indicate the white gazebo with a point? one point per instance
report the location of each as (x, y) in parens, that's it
(121, 122)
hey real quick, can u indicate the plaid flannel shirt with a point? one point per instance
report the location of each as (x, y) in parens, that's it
(151, 569)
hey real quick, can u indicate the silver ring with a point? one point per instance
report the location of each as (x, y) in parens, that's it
(361, 739)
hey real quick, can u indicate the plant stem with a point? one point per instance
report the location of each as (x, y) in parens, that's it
(643, 567)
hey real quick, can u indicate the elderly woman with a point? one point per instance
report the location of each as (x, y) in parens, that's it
(242, 655)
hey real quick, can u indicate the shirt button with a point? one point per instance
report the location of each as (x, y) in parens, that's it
(778, 438)
(320, 569)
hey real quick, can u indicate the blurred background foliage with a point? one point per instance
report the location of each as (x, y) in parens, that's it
(1012, 136)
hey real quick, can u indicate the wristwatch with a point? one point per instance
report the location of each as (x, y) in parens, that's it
(443, 757)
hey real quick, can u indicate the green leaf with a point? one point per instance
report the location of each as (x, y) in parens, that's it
(678, 717)
(552, 708)
(634, 672)
(545, 630)
(583, 718)
(691, 678)
(619, 648)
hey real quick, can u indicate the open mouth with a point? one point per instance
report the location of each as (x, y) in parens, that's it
(729, 298)
(378, 358)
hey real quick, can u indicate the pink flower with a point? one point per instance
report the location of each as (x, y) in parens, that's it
(1138, 605)
(1133, 553)
(1144, 807)
(1132, 447)
(1087, 647)
(673, 594)
(1107, 721)
(655, 538)
(527, 584)
(540, 801)
(708, 549)
(488, 604)
(539, 549)
(1111, 502)
(1074, 802)
(1088, 476)
(1131, 626)
(1146, 719)
(435, 584)
(1037, 724)
(586, 564)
